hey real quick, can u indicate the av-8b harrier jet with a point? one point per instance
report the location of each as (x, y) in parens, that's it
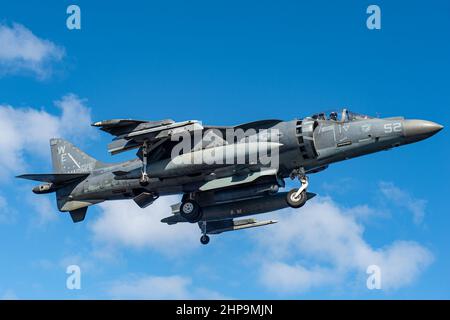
(222, 172)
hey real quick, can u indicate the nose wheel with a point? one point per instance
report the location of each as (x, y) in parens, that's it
(297, 198)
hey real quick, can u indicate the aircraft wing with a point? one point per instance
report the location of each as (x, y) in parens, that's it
(131, 134)
(117, 127)
(256, 125)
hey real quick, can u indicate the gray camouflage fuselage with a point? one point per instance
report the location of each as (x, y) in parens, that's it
(221, 191)
(324, 142)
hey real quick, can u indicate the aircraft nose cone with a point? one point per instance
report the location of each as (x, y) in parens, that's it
(420, 129)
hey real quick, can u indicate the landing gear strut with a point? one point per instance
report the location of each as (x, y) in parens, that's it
(144, 181)
(204, 239)
(296, 198)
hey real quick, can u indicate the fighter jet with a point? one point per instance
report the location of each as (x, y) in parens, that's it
(222, 172)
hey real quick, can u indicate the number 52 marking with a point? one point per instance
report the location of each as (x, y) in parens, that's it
(393, 127)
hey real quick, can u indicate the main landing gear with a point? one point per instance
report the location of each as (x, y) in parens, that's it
(297, 198)
(192, 212)
(204, 239)
(144, 181)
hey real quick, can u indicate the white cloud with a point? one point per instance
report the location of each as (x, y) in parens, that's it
(75, 120)
(124, 223)
(365, 213)
(295, 278)
(26, 131)
(157, 287)
(172, 287)
(325, 235)
(23, 52)
(44, 210)
(403, 199)
(85, 263)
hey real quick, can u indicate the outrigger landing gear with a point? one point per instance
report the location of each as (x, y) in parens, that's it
(144, 181)
(204, 239)
(296, 198)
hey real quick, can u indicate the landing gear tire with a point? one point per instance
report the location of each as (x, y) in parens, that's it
(191, 211)
(204, 239)
(296, 201)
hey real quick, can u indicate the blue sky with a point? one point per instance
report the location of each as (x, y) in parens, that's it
(226, 62)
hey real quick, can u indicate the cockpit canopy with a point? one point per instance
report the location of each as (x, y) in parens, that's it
(343, 115)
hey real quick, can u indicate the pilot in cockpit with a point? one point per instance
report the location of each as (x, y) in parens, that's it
(333, 116)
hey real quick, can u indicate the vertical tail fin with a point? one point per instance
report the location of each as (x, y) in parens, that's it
(67, 158)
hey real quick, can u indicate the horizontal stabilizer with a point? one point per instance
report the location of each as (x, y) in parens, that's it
(65, 205)
(56, 178)
(78, 215)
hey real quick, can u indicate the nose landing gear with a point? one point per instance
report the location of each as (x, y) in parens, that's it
(297, 198)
